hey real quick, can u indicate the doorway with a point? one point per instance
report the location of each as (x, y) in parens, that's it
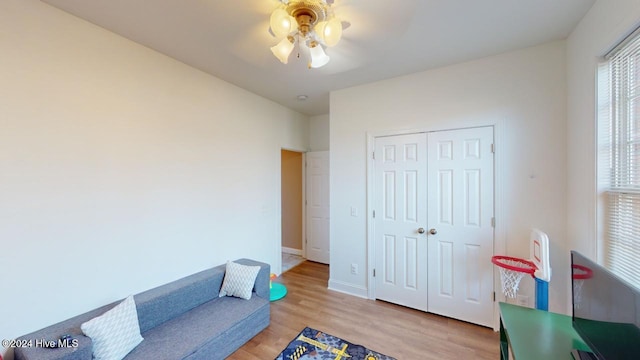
(433, 222)
(292, 203)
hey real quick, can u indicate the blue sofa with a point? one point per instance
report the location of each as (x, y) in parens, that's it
(184, 319)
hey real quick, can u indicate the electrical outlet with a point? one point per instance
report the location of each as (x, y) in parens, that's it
(354, 269)
(354, 211)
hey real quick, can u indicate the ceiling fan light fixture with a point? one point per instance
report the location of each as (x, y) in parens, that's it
(306, 23)
(281, 23)
(283, 49)
(332, 32)
(319, 29)
(318, 57)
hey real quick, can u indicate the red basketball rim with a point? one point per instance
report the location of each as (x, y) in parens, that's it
(588, 273)
(526, 267)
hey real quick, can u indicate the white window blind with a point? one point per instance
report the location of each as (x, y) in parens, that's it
(619, 159)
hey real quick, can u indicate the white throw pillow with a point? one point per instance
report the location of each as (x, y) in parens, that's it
(115, 333)
(239, 280)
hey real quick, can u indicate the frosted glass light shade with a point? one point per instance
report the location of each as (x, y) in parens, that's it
(318, 57)
(332, 32)
(282, 23)
(283, 49)
(319, 29)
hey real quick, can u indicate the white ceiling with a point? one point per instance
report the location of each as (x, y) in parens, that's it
(387, 38)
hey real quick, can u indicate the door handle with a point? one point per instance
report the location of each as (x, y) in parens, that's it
(421, 231)
(433, 231)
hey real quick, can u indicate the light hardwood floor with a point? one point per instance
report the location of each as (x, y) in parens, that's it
(403, 333)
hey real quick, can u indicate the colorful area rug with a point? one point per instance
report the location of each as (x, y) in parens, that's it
(312, 344)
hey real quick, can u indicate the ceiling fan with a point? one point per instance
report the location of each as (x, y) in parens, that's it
(309, 24)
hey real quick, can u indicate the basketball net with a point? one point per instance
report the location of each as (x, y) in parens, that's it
(512, 270)
(579, 273)
(577, 292)
(510, 279)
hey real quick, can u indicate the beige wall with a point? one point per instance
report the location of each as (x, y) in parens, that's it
(122, 169)
(292, 199)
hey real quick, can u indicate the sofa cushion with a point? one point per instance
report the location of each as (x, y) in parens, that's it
(262, 286)
(239, 280)
(114, 333)
(185, 334)
(163, 303)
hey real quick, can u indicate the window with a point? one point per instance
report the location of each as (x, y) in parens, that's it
(619, 159)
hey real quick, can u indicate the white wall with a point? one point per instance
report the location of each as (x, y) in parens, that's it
(523, 90)
(319, 132)
(606, 24)
(122, 169)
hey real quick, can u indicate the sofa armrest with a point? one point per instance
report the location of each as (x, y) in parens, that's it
(80, 350)
(261, 287)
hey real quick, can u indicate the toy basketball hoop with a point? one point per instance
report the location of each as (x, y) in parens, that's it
(512, 270)
(579, 273)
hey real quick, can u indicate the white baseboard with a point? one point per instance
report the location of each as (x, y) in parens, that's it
(292, 251)
(349, 289)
